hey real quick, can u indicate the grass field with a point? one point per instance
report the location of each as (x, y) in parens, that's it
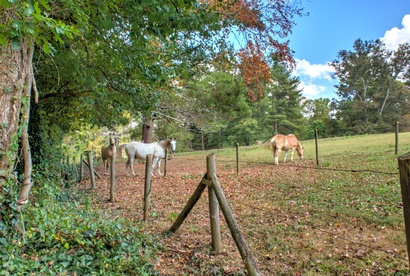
(343, 217)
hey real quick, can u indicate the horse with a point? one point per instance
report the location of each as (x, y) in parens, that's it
(108, 151)
(285, 142)
(141, 150)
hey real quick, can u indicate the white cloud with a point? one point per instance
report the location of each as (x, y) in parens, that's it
(310, 75)
(314, 71)
(311, 89)
(392, 38)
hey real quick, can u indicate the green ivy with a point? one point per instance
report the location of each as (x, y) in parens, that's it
(53, 237)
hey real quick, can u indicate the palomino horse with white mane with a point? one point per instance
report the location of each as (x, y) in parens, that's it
(108, 151)
(285, 142)
(141, 150)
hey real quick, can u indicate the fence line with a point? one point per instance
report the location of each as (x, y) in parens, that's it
(298, 166)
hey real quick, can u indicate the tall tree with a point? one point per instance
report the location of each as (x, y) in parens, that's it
(320, 115)
(367, 75)
(23, 25)
(115, 56)
(213, 104)
(285, 100)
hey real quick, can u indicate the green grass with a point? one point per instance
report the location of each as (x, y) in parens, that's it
(349, 150)
(341, 217)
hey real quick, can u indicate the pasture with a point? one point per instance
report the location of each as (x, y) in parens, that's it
(342, 218)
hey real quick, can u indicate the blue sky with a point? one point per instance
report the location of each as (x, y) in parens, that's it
(334, 25)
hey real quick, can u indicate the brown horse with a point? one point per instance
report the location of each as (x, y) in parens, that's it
(108, 151)
(282, 142)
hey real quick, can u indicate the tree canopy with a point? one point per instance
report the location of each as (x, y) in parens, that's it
(371, 88)
(95, 63)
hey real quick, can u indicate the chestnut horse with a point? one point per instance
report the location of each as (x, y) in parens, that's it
(141, 150)
(108, 151)
(285, 142)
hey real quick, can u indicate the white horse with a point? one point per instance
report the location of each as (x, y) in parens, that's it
(141, 150)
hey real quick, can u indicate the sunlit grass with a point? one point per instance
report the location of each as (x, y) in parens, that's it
(343, 216)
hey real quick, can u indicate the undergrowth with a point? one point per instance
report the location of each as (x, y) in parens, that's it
(59, 233)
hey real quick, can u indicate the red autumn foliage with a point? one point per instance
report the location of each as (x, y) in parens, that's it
(254, 69)
(261, 23)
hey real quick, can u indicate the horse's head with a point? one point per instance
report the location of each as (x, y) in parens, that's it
(112, 138)
(299, 150)
(173, 144)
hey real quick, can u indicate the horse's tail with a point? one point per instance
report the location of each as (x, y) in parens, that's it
(268, 145)
(271, 144)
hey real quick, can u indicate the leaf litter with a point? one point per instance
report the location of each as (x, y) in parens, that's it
(290, 227)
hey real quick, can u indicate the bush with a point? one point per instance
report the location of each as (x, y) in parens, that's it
(64, 237)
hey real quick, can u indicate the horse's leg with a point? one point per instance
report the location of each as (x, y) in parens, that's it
(286, 154)
(154, 163)
(276, 155)
(291, 155)
(159, 166)
(132, 165)
(127, 164)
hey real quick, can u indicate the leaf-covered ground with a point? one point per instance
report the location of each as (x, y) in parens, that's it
(296, 219)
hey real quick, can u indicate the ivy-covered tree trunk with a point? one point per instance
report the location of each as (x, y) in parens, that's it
(15, 82)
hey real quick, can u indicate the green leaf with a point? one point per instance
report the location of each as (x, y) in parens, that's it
(29, 10)
(16, 44)
(44, 3)
(4, 3)
(17, 25)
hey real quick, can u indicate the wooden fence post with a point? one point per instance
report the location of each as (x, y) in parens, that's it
(235, 232)
(112, 178)
(95, 172)
(190, 204)
(81, 167)
(213, 206)
(215, 190)
(75, 172)
(166, 162)
(91, 167)
(237, 158)
(404, 170)
(396, 149)
(317, 148)
(147, 187)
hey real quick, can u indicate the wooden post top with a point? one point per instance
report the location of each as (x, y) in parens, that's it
(404, 156)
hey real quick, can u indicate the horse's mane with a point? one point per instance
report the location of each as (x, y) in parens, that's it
(164, 143)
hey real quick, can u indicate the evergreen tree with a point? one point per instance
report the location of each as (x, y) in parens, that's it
(285, 99)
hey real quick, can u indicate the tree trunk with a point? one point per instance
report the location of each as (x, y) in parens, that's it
(25, 145)
(15, 78)
(147, 129)
(202, 140)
